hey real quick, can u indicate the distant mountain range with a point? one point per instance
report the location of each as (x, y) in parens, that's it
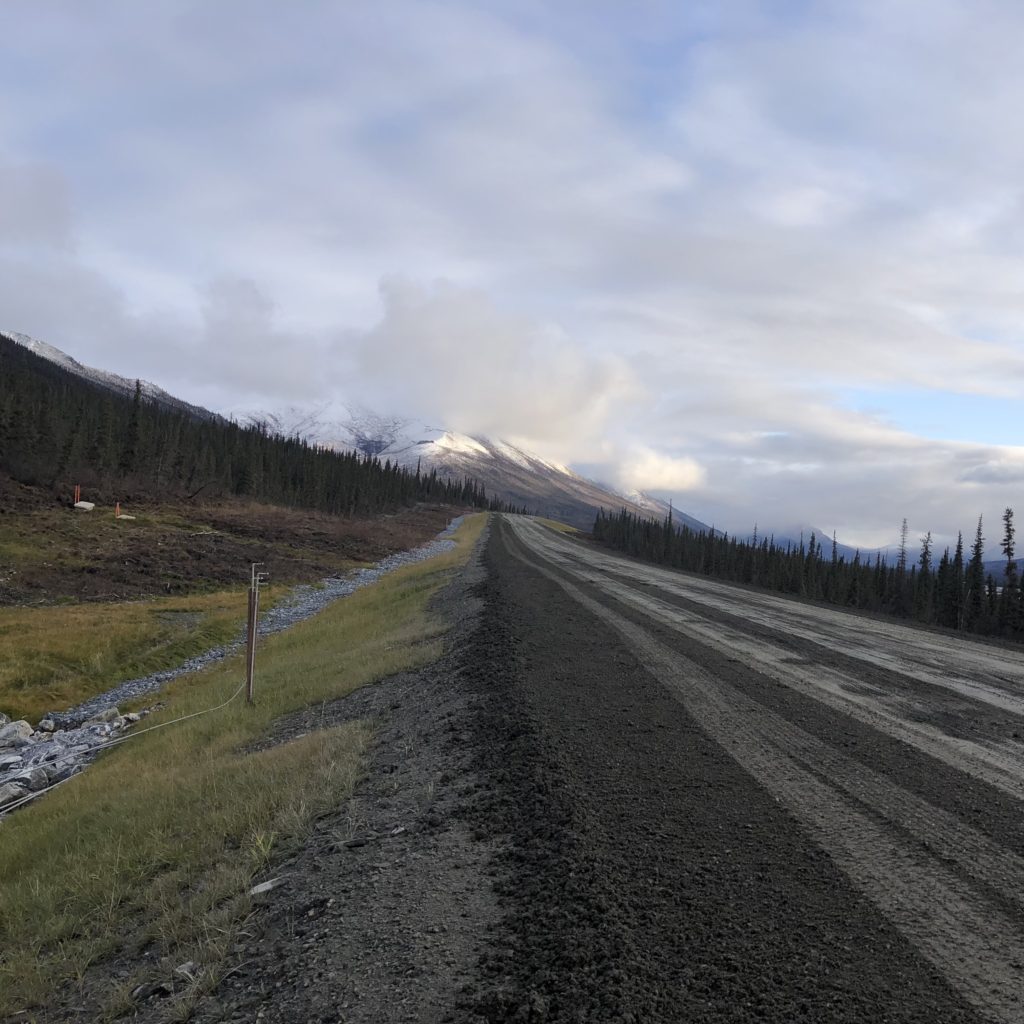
(507, 471)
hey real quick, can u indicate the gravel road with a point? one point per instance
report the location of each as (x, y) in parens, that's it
(628, 794)
(804, 814)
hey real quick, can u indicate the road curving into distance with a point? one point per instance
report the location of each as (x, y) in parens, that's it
(772, 810)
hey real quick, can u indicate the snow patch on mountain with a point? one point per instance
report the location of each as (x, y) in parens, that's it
(460, 444)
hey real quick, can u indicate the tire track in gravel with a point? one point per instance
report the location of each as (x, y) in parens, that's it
(845, 692)
(952, 797)
(863, 820)
(988, 675)
(961, 716)
(998, 764)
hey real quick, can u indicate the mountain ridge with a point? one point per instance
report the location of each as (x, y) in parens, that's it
(507, 470)
(105, 378)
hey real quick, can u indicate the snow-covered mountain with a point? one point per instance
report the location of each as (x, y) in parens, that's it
(506, 470)
(104, 379)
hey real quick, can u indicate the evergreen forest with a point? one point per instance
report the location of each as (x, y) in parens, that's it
(57, 429)
(953, 590)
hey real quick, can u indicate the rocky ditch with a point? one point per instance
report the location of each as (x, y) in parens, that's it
(32, 760)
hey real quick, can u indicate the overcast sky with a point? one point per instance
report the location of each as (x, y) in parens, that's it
(765, 257)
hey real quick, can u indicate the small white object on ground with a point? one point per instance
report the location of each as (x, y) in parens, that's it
(271, 883)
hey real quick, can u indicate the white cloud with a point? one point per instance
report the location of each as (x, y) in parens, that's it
(644, 469)
(671, 236)
(449, 352)
(35, 208)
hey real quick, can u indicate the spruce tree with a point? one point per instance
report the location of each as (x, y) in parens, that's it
(974, 597)
(1009, 598)
(924, 583)
(956, 587)
(128, 461)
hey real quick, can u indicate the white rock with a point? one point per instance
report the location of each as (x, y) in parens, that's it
(77, 750)
(15, 734)
(46, 725)
(70, 738)
(3, 719)
(10, 761)
(106, 715)
(34, 779)
(11, 791)
(266, 886)
(132, 717)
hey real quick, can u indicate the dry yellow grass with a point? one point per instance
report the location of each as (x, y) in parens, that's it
(556, 525)
(57, 656)
(157, 843)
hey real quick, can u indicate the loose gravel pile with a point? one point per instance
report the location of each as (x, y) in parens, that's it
(303, 602)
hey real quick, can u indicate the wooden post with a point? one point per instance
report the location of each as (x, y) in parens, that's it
(256, 578)
(117, 510)
(250, 649)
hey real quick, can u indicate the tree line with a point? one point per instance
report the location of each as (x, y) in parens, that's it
(57, 429)
(954, 590)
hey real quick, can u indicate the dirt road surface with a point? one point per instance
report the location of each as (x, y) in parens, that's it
(650, 797)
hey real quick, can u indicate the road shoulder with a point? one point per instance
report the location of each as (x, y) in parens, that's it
(380, 916)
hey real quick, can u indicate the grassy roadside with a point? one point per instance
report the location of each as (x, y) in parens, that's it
(52, 657)
(153, 849)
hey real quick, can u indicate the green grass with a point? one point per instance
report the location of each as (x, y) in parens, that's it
(53, 657)
(156, 845)
(65, 537)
